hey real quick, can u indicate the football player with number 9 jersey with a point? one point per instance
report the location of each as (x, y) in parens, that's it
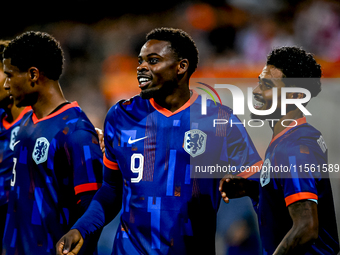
(154, 142)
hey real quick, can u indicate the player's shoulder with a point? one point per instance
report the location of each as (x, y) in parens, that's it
(298, 138)
(213, 107)
(75, 118)
(74, 114)
(133, 107)
(303, 133)
(125, 103)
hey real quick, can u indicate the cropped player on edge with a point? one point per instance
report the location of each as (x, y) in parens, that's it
(10, 117)
(295, 208)
(150, 143)
(57, 158)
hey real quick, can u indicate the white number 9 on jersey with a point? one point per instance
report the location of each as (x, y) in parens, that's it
(139, 169)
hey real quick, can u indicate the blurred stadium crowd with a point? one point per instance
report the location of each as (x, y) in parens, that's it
(101, 42)
(233, 38)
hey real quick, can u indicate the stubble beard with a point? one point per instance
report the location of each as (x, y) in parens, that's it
(159, 92)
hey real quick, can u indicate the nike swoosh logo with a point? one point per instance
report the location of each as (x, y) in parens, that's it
(16, 143)
(136, 140)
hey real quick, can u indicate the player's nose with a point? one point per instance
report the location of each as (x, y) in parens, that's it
(6, 84)
(257, 90)
(142, 67)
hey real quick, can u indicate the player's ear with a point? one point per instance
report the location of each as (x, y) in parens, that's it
(33, 74)
(183, 66)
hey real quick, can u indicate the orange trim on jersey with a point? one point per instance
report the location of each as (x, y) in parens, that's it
(299, 122)
(168, 113)
(64, 108)
(8, 125)
(87, 187)
(300, 196)
(251, 170)
(110, 164)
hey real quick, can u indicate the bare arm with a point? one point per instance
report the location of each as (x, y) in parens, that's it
(304, 230)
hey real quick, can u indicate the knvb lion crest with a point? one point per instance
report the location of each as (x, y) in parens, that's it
(14, 134)
(195, 142)
(40, 150)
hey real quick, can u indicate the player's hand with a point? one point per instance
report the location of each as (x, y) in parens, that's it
(101, 139)
(70, 243)
(232, 186)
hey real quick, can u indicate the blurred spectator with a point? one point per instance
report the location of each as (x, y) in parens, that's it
(317, 28)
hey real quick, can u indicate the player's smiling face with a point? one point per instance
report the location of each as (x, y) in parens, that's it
(158, 66)
(269, 78)
(17, 83)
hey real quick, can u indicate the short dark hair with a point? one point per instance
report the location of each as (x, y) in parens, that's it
(294, 62)
(3, 45)
(37, 49)
(181, 43)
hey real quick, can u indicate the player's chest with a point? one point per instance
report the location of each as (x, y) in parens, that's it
(37, 140)
(177, 135)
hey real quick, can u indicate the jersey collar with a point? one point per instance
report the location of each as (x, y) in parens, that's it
(299, 122)
(66, 107)
(168, 113)
(8, 125)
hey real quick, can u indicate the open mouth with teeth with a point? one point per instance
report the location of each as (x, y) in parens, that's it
(143, 81)
(258, 104)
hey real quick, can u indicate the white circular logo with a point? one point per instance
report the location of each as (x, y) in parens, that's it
(40, 150)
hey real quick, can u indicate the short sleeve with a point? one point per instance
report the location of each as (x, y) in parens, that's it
(87, 160)
(298, 167)
(110, 162)
(109, 157)
(239, 150)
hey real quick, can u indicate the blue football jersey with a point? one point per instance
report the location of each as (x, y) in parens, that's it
(295, 169)
(55, 159)
(8, 133)
(167, 207)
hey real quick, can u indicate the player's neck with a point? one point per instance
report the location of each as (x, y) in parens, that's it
(175, 100)
(289, 117)
(13, 113)
(49, 98)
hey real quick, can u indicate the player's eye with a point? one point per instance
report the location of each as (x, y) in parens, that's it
(153, 60)
(264, 85)
(268, 85)
(261, 85)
